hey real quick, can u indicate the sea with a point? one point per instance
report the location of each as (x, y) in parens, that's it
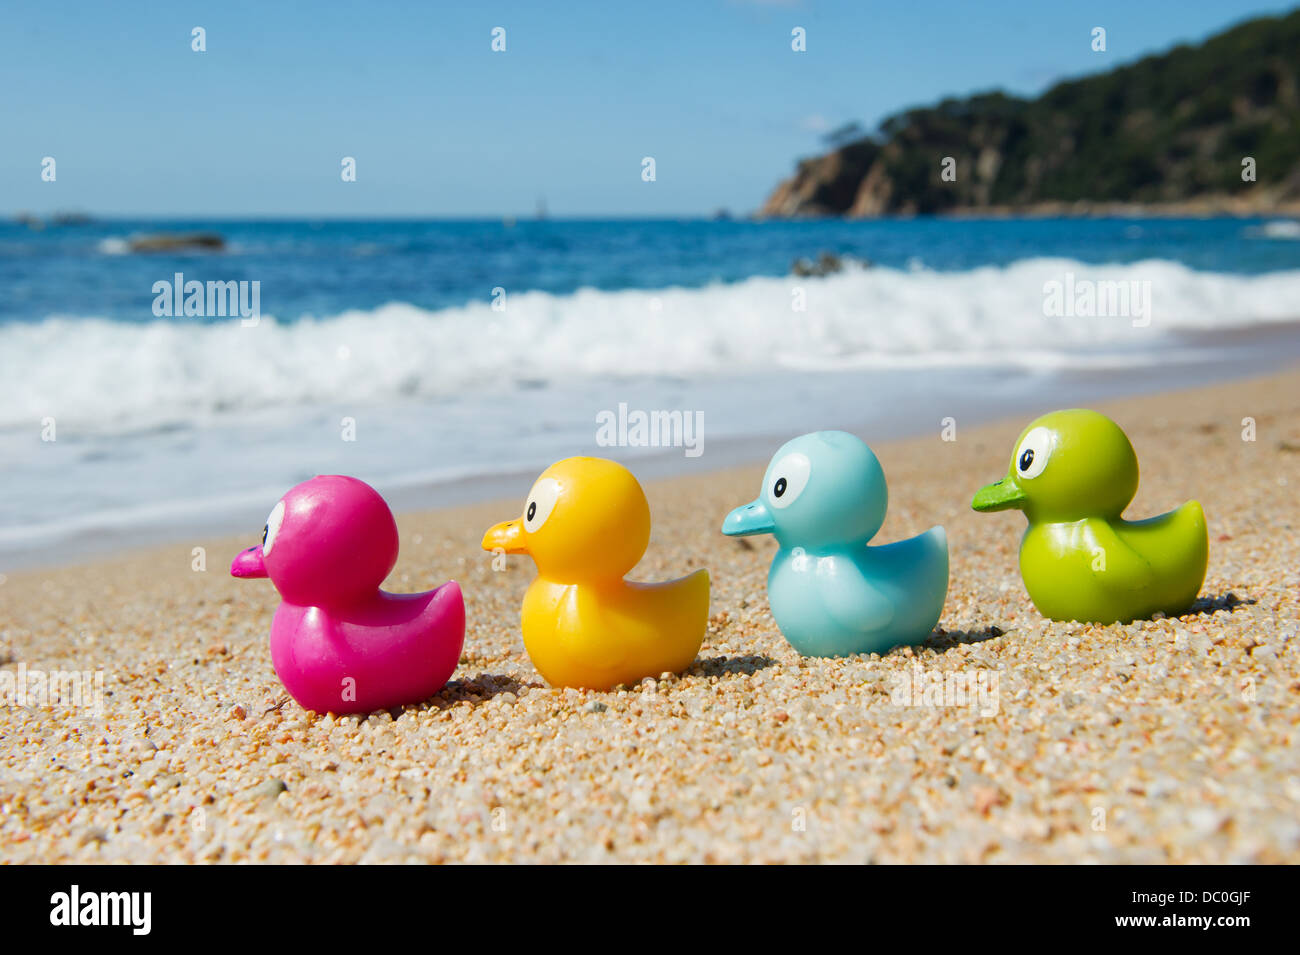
(444, 361)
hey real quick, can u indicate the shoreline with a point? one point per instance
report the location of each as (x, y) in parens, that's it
(976, 395)
(1213, 207)
(740, 454)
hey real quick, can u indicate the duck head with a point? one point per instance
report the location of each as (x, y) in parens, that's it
(1067, 465)
(585, 519)
(329, 542)
(820, 489)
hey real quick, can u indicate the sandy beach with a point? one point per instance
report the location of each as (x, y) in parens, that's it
(1162, 741)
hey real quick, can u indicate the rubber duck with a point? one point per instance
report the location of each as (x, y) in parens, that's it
(586, 524)
(1073, 473)
(339, 644)
(824, 497)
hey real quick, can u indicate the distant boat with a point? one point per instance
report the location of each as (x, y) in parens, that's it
(541, 209)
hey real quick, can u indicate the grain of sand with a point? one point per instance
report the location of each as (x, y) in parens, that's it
(1162, 741)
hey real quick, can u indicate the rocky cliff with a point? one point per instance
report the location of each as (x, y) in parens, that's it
(1168, 132)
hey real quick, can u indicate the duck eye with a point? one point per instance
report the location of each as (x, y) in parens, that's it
(541, 501)
(1032, 455)
(787, 479)
(272, 528)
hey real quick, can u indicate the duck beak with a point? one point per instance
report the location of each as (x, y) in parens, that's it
(249, 564)
(1002, 496)
(507, 536)
(749, 519)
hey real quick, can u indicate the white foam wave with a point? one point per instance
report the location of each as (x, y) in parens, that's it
(100, 374)
(113, 245)
(1276, 229)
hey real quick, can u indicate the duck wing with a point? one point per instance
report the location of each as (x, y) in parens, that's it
(1115, 565)
(850, 598)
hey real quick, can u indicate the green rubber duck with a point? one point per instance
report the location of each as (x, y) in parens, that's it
(1073, 473)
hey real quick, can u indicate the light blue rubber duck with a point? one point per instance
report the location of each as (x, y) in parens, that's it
(824, 497)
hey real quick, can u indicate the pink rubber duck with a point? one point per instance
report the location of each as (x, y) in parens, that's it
(340, 644)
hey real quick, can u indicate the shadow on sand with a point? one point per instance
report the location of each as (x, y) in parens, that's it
(942, 640)
(1208, 606)
(726, 666)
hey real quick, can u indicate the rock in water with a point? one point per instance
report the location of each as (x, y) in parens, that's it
(828, 263)
(176, 241)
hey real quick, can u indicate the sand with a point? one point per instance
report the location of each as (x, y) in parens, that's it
(1161, 741)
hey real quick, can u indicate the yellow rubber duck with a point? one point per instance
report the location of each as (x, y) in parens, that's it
(586, 524)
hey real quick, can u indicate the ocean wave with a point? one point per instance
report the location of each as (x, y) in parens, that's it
(1276, 229)
(102, 374)
(113, 245)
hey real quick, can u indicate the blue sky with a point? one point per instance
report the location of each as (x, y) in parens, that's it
(440, 125)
